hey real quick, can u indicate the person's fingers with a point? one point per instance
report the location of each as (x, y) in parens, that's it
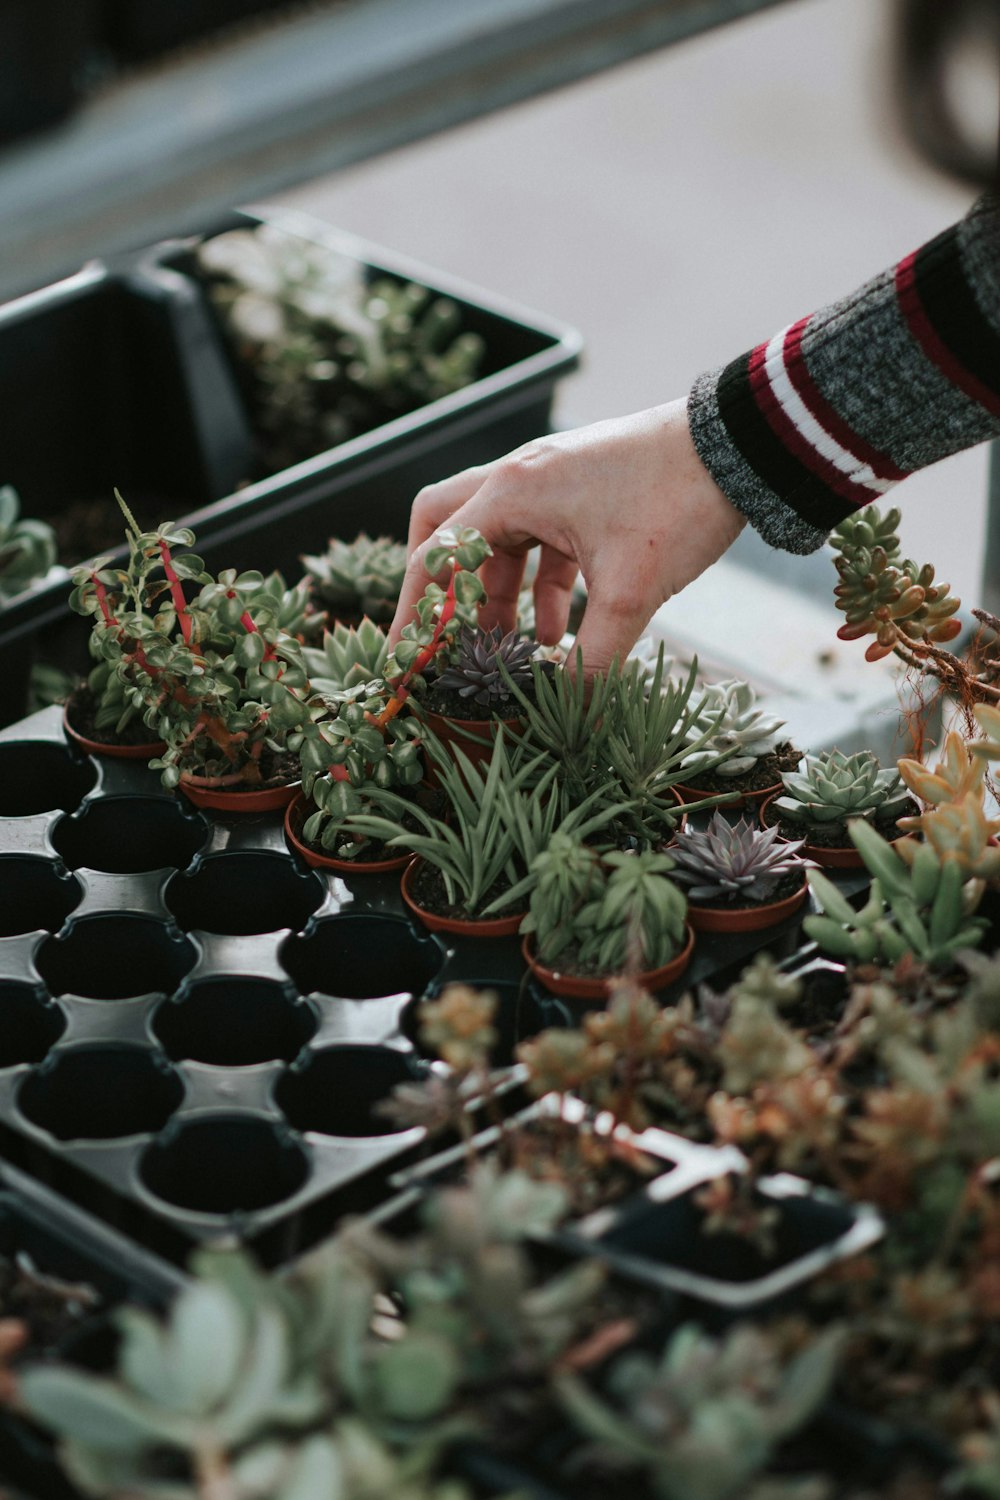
(502, 576)
(614, 620)
(553, 591)
(436, 502)
(434, 506)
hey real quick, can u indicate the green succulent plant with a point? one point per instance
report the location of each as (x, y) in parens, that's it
(704, 1420)
(918, 908)
(612, 912)
(733, 859)
(486, 665)
(884, 594)
(362, 577)
(348, 658)
(833, 787)
(27, 548)
(326, 354)
(731, 727)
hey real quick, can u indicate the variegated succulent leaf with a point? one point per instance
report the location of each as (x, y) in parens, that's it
(733, 859)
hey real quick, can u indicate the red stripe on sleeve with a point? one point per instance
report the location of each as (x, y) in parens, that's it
(930, 341)
(826, 415)
(787, 433)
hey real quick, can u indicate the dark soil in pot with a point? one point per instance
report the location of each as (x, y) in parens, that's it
(822, 1003)
(740, 901)
(767, 772)
(833, 835)
(81, 713)
(428, 890)
(277, 768)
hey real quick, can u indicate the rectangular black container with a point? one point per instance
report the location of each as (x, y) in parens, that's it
(119, 376)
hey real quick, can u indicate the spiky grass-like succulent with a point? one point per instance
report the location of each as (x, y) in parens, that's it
(833, 787)
(347, 658)
(733, 859)
(736, 728)
(27, 548)
(362, 577)
(485, 663)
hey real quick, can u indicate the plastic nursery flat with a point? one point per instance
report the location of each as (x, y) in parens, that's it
(198, 1029)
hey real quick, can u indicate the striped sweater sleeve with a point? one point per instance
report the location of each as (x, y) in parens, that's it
(836, 409)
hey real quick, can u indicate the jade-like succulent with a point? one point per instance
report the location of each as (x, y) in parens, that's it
(959, 832)
(347, 658)
(484, 664)
(733, 859)
(920, 907)
(884, 594)
(737, 728)
(705, 1418)
(616, 912)
(362, 577)
(833, 787)
(27, 548)
(959, 771)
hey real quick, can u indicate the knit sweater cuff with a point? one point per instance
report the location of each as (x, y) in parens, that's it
(836, 409)
(778, 524)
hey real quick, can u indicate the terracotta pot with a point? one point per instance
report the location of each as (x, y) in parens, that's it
(831, 859)
(457, 731)
(578, 987)
(294, 817)
(220, 799)
(746, 918)
(117, 752)
(739, 799)
(485, 927)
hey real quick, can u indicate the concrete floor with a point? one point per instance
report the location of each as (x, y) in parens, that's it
(680, 208)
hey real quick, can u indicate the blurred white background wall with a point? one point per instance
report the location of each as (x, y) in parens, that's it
(682, 207)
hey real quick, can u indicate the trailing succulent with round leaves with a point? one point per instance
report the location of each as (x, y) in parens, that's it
(27, 548)
(733, 859)
(833, 787)
(884, 594)
(920, 906)
(218, 677)
(441, 611)
(363, 577)
(347, 658)
(704, 1419)
(730, 726)
(607, 913)
(485, 665)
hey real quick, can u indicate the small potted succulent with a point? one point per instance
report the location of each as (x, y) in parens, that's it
(348, 766)
(27, 548)
(739, 878)
(593, 917)
(219, 679)
(347, 657)
(751, 759)
(831, 788)
(352, 581)
(474, 689)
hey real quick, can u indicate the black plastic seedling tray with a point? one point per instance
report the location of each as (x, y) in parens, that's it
(199, 1027)
(127, 364)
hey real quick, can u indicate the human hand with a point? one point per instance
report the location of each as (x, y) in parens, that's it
(627, 503)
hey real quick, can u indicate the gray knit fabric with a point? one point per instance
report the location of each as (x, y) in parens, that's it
(869, 367)
(777, 523)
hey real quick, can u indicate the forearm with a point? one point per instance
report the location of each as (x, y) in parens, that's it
(838, 408)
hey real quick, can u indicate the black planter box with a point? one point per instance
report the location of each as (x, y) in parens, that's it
(120, 376)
